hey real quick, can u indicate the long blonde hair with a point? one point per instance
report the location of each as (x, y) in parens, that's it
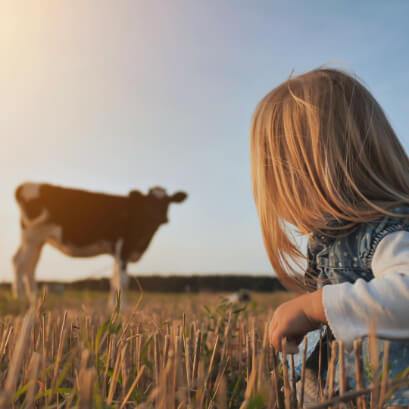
(322, 151)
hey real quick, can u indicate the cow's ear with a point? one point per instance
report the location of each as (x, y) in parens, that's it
(178, 197)
(135, 195)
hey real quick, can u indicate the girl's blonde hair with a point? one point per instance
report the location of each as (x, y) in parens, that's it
(324, 158)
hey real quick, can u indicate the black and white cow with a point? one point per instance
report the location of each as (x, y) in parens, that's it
(80, 223)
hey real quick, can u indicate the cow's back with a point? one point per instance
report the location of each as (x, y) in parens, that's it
(85, 217)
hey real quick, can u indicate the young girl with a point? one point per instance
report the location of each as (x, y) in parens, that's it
(326, 160)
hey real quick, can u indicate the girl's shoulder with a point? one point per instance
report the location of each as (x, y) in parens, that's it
(368, 235)
(368, 232)
(355, 249)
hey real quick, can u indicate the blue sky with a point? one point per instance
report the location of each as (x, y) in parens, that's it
(112, 96)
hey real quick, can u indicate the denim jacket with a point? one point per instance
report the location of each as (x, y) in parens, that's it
(346, 259)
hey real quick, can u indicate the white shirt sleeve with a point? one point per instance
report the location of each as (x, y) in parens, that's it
(384, 300)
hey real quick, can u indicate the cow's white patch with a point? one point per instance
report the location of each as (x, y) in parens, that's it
(30, 191)
(36, 234)
(158, 192)
(91, 250)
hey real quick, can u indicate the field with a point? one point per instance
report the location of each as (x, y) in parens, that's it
(165, 351)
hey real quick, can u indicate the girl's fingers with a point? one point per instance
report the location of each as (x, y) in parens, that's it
(276, 334)
(276, 342)
(271, 329)
(275, 337)
(292, 347)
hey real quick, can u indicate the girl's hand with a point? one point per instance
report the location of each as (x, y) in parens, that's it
(293, 319)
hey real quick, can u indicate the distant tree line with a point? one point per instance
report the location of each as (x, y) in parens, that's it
(177, 283)
(174, 284)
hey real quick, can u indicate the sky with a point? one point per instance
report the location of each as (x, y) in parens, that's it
(128, 94)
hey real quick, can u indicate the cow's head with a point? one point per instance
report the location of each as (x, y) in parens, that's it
(154, 205)
(148, 213)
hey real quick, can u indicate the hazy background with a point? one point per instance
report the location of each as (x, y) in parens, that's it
(116, 95)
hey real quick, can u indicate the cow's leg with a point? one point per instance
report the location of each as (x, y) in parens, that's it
(25, 261)
(31, 283)
(119, 282)
(18, 284)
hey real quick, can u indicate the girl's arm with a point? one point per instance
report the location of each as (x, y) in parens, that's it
(293, 319)
(349, 308)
